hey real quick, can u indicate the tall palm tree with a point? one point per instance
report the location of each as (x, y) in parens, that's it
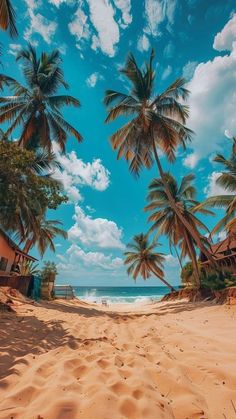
(227, 180)
(43, 235)
(7, 17)
(157, 122)
(167, 222)
(36, 108)
(144, 260)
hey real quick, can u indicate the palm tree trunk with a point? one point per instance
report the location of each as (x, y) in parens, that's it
(193, 257)
(28, 246)
(175, 208)
(178, 256)
(162, 279)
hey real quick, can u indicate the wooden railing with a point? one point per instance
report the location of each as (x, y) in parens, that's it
(64, 291)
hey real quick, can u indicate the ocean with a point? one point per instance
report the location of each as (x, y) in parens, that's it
(120, 294)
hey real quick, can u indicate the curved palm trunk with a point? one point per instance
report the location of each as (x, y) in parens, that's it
(193, 257)
(162, 279)
(175, 208)
(28, 246)
(178, 256)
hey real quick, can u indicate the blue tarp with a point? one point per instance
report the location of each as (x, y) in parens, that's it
(35, 288)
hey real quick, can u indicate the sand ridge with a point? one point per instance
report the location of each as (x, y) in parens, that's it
(73, 360)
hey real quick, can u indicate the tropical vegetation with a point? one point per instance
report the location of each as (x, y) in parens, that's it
(32, 116)
(166, 221)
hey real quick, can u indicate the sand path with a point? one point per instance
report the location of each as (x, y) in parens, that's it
(166, 360)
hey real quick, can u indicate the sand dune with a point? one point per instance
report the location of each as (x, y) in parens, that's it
(70, 360)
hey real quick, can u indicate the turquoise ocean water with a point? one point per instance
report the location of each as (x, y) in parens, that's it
(120, 294)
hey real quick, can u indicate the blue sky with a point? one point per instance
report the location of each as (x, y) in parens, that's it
(193, 38)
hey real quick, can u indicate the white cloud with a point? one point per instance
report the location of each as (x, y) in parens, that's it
(14, 49)
(98, 232)
(212, 104)
(79, 27)
(102, 17)
(143, 43)
(158, 11)
(75, 255)
(125, 7)
(75, 173)
(100, 26)
(93, 79)
(224, 40)
(188, 69)
(213, 188)
(171, 261)
(40, 25)
(167, 72)
(191, 160)
(58, 3)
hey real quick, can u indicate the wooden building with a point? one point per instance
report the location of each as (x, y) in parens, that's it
(11, 256)
(225, 254)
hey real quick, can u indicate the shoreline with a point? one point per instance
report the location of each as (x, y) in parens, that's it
(70, 359)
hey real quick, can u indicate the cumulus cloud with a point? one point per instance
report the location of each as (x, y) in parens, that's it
(107, 30)
(213, 188)
(76, 255)
(188, 69)
(224, 40)
(98, 232)
(101, 26)
(213, 100)
(92, 80)
(157, 12)
(125, 8)
(39, 25)
(79, 27)
(75, 173)
(58, 3)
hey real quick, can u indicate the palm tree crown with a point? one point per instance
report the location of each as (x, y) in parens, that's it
(144, 260)
(43, 235)
(227, 180)
(156, 119)
(37, 108)
(167, 222)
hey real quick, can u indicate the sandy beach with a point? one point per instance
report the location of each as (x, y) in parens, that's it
(68, 360)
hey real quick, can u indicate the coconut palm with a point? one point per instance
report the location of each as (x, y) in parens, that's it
(227, 180)
(36, 107)
(7, 17)
(43, 235)
(167, 222)
(144, 260)
(157, 122)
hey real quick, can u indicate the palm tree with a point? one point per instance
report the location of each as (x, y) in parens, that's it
(7, 17)
(157, 122)
(43, 235)
(167, 222)
(144, 260)
(227, 180)
(36, 108)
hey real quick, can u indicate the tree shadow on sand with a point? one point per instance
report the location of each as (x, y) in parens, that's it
(24, 335)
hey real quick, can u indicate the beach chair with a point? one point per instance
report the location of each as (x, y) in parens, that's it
(104, 302)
